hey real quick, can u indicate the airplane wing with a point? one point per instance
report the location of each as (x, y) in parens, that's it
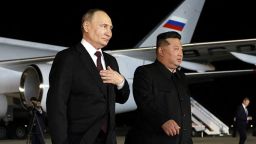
(15, 54)
(18, 49)
(194, 53)
(201, 57)
(218, 51)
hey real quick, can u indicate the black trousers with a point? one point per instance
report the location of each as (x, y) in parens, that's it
(242, 134)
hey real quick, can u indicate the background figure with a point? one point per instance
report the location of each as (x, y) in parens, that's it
(37, 123)
(84, 85)
(242, 120)
(162, 96)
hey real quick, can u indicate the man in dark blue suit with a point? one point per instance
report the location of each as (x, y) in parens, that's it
(162, 96)
(242, 119)
(85, 83)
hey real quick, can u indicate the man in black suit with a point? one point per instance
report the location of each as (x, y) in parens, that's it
(84, 85)
(242, 119)
(162, 97)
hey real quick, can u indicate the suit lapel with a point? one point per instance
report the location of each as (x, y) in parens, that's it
(89, 64)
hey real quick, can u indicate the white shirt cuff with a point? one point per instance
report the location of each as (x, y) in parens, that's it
(121, 85)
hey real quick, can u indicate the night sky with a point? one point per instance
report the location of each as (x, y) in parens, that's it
(58, 23)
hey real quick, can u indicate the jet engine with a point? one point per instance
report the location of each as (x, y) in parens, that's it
(34, 83)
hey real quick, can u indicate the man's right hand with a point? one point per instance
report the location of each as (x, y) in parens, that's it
(171, 128)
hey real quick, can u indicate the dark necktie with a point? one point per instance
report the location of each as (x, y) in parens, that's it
(100, 67)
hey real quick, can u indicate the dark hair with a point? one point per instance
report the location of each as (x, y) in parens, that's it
(161, 38)
(246, 98)
(88, 16)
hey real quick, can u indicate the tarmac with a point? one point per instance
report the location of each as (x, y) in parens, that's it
(196, 140)
(228, 139)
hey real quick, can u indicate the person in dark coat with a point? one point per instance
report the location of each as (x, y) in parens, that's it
(162, 96)
(242, 120)
(85, 84)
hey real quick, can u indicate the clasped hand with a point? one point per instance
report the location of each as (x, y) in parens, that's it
(111, 76)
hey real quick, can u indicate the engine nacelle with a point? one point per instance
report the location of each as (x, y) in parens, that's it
(35, 83)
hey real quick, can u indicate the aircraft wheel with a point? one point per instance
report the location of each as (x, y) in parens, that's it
(20, 132)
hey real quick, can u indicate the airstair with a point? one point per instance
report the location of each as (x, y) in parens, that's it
(205, 121)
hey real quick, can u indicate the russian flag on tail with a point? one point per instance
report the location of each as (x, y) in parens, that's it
(175, 23)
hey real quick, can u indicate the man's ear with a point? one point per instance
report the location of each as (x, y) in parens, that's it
(160, 51)
(85, 26)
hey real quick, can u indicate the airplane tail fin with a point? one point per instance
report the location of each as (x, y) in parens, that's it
(182, 20)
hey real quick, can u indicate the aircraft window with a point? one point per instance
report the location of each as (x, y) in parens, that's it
(217, 50)
(190, 53)
(245, 48)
